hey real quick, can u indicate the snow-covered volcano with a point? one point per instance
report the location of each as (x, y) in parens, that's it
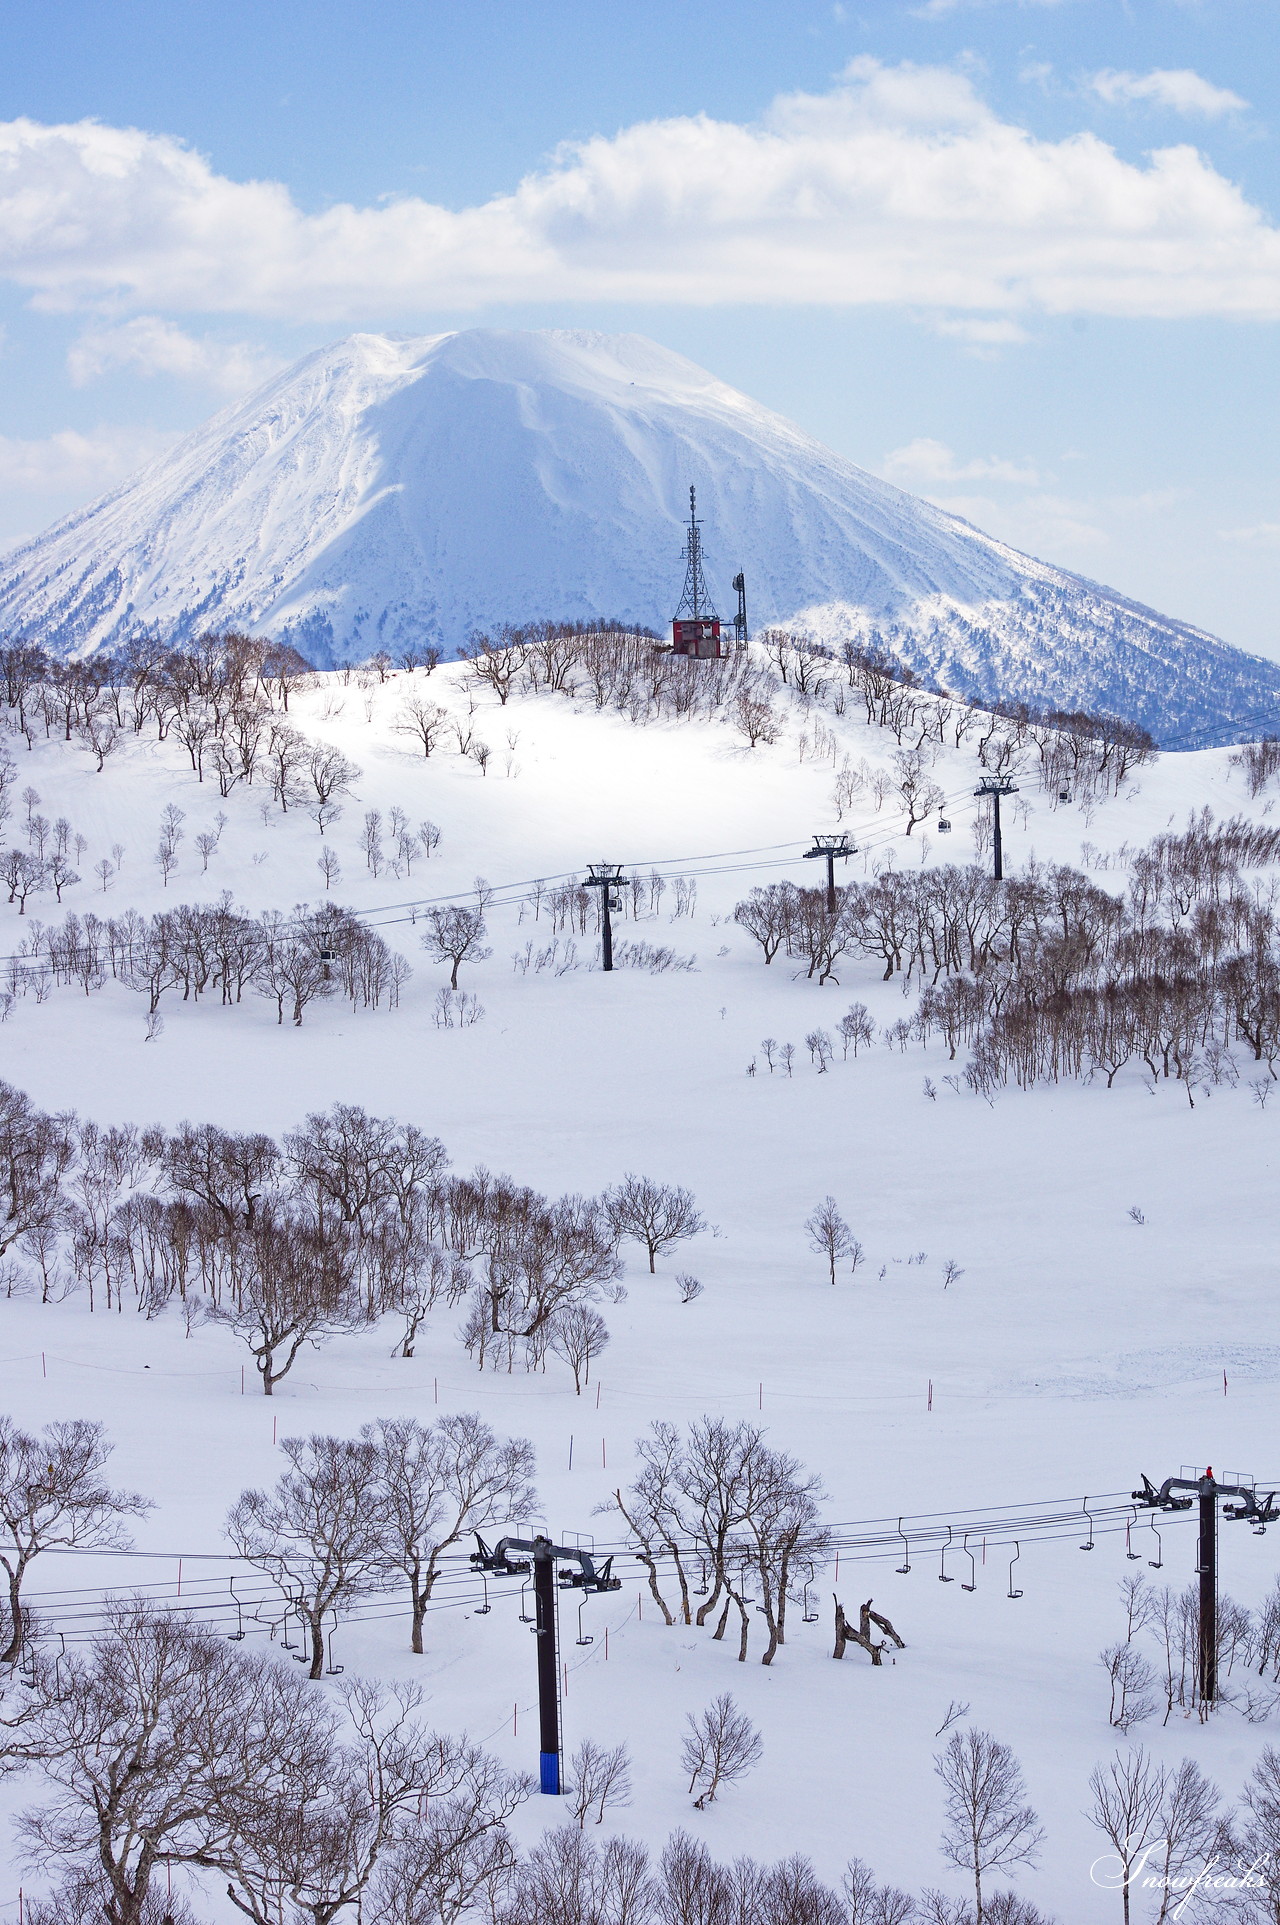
(388, 491)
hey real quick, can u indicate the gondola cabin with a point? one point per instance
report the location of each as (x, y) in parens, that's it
(700, 637)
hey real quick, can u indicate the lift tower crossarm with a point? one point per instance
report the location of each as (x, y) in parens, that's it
(499, 1563)
(1249, 1508)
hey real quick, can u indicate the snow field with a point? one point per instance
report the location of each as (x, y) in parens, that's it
(1077, 1350)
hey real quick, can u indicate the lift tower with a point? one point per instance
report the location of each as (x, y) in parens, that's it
(542, 1556)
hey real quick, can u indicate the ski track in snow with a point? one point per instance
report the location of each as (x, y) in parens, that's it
(1077, 1350)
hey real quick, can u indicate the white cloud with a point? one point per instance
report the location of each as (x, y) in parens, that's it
(923, 461)
(940, 9)
(75, 464)
(1263, 534)
(898, 186)
(1075, 530)
(1038, 525)
(155, 346)
(983, 334)
(1177, 88)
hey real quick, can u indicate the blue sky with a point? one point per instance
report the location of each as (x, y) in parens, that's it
(1022, 258)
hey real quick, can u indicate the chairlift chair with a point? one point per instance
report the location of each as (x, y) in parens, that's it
(1084, 1505)
(972, 1585)
(942, 1574)
(905, 1565)
(1017, 1553)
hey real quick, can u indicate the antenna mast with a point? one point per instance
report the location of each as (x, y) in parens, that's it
(695, 603)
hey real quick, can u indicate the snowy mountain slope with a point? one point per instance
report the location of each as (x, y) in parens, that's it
(1076, 1350)
(387, 491)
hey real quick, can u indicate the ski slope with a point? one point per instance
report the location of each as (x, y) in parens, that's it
(1076, 1350)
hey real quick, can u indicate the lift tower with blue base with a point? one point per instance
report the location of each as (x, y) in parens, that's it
(541, 1556)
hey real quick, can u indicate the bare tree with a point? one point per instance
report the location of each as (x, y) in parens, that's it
(755, 720)
(60, 873)
(438, 1483)
(292, 967)
(84, 1898)
(568, 1877)
(154, 1744)
(721, 1746)
(225, 1170)
(331, 775)
(286, 756)
(1132, 1682)
(988, 1824)
(24, 874)
(295, 1284)
(917, 792)
(868, 1903)
(320, 1534)
(829, 1235)
(53, 1498)
(578, 1333)
(374, 853)
(329, 867)
(100, 736)
(818, 1044)
(458, 1859)
(1128, 1798)
(424, 721)
(1190, 1829)
(496, 664)
(767, 915)
(306, 1852)
(36, 1152)
(598, 1779)
(354, 1164)
(1256, 1843)
(455, 935)
(655, 1214)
